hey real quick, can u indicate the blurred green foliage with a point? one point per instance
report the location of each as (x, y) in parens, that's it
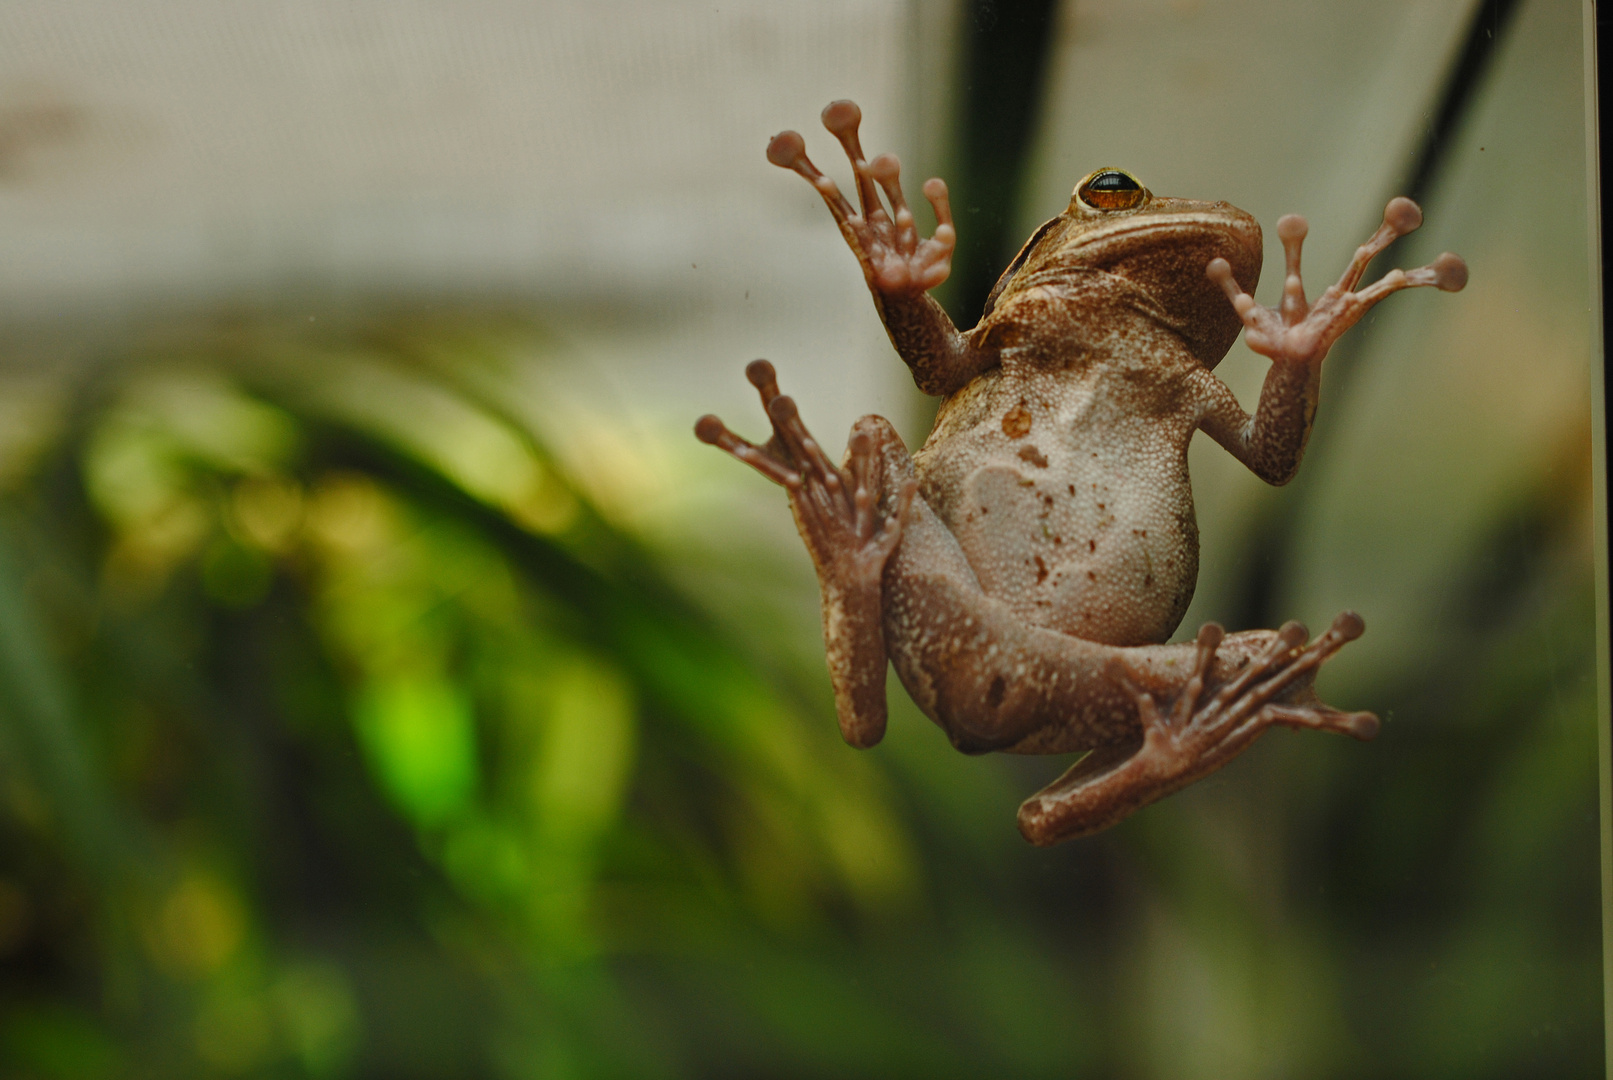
(342, 735)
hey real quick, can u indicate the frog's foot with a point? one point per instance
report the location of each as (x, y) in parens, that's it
(1201, 731)
(836, 508)
(893, 258)
(1299, 332)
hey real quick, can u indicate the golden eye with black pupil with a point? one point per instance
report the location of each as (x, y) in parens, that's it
(1111, 189)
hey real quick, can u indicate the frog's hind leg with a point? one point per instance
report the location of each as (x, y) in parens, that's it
(851, 520)
(1202, 730)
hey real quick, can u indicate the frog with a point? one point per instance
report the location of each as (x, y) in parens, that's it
(1024, 570)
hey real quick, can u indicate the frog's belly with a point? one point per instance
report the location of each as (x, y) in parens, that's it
(1106, 561)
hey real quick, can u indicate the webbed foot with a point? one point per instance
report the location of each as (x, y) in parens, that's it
(1300, 332)
(837, 509)
(886, 243)
(1203, 728)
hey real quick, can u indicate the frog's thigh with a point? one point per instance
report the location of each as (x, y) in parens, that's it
(991, 680)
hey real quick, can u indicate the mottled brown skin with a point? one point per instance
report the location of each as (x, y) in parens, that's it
(1022, 569)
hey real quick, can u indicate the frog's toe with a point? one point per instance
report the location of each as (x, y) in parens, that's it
(763, 376)
(712, 431)
(1448, 273)
(1403, 216)
(842, 118)
(787, 150)
(1357, 725)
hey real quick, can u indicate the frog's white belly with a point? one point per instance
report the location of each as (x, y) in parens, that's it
(1101, 546)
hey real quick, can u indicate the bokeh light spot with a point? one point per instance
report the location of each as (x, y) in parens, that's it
(419, 735)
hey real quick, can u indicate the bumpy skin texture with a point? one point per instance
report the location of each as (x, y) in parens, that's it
(1021, 570)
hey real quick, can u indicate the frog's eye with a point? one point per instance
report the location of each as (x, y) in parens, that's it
(1111, 189)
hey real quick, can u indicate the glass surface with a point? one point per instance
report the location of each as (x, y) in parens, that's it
(390, 684)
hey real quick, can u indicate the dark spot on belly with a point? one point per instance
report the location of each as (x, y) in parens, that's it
(1033, 455)
(1148, 579)
(1017, 422)
(1091, 576)
(1092, 545)
(1072, 489)
(1041, 570)
(994, 695)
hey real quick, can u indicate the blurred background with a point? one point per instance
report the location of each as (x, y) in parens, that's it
(391, 686)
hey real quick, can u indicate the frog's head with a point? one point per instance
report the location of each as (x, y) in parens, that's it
(1161, 246)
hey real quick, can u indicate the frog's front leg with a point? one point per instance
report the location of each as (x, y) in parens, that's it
(1204, 728)
(850, 537)
(1297, 336)
(900, 268)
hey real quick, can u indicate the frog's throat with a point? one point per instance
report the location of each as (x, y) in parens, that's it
(1189, 227)
(1122, 292)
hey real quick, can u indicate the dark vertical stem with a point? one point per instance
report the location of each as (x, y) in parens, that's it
(1491, 20)
(1004, 57)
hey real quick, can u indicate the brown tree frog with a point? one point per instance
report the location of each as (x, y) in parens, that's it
(1024, 567)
